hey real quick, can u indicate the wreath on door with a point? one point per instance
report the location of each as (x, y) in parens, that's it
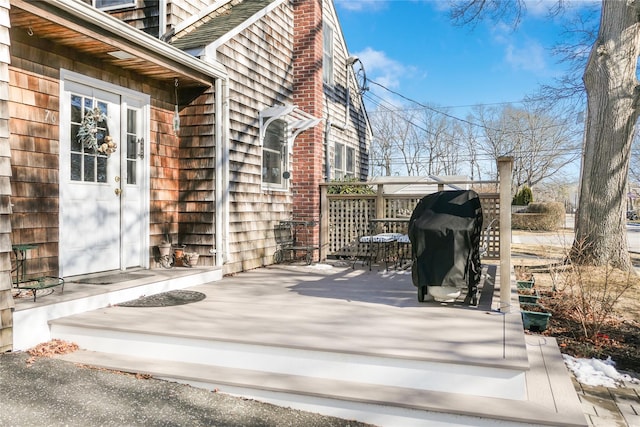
(90, 138)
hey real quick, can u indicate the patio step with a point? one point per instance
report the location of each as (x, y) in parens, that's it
(380, 405)
(31, 319)
(378, 389)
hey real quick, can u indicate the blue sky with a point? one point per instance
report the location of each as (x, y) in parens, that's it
(412, 47)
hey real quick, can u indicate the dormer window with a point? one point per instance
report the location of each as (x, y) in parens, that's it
(113, 4)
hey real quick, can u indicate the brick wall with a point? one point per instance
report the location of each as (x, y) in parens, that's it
(308, 151)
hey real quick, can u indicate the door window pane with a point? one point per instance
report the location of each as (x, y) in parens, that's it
(76, 167)
(89, 168)
(88, 129)
(131, 159)
(102, 168)
(134, 139)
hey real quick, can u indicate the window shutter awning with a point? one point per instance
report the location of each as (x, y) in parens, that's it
(297, 119)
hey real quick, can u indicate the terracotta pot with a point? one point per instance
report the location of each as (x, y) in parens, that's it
(164, 249)
(178, 252)
(191, 259)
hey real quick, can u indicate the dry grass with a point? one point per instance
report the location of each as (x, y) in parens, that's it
(569, 289)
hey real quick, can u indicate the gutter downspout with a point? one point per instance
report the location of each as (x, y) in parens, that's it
(221, 195)
(220, 250)
(327, 162)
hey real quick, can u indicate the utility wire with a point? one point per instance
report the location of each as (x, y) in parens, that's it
(424, 106)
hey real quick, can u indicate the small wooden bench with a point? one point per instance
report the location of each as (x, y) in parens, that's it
(32, 284)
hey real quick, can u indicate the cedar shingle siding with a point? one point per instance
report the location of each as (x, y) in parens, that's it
(6, 300)
(196, 176)
(260, 72)
(35, 74)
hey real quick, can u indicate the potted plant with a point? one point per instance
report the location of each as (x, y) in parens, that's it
(535, 317)
(191, 259)
(179, 254)
(165, 245)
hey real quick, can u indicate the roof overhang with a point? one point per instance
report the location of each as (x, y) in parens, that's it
(87, 30)
(297, 119)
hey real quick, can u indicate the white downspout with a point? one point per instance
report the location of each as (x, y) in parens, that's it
(327, 158)
(222, 172)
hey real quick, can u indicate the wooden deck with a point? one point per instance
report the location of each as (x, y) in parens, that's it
(341, 341)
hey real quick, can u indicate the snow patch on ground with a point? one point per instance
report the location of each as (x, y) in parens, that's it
(596, 372)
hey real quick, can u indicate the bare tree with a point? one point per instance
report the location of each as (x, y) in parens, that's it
(414, 142)
(439, 145)
(382, 145)
(540, 144)
(407, 141)
(469, 135)
(612, 110)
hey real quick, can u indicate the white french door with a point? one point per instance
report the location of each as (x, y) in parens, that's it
(103, 220)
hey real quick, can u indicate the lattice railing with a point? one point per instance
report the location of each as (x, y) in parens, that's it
(348, 217)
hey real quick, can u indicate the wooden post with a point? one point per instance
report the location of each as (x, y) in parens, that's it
(505, 168)
(324, 224)
(380, 208)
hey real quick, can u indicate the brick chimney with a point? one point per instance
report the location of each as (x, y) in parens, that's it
(308, 95)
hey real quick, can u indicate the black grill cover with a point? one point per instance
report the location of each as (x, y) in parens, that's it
(445, 230)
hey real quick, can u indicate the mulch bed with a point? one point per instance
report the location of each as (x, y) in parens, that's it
(619, 339)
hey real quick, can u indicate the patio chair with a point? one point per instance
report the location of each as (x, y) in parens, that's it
(404, 249)
(288, 244)
(374, 244)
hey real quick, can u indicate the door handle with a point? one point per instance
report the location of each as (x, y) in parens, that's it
(117, 191)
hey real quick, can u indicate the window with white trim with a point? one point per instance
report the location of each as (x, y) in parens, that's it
(327, 53)
(343, 161)
(275, 156)
(350, 161)
(113, 4)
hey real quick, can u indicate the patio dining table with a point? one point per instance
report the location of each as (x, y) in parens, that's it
(390, 230)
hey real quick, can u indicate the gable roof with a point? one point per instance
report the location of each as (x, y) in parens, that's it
(217, 23)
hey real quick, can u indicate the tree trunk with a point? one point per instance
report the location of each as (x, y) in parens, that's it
(612, 102)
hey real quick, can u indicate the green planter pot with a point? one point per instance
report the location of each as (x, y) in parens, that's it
(525, 284)
(528, 299)
(535, 321)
